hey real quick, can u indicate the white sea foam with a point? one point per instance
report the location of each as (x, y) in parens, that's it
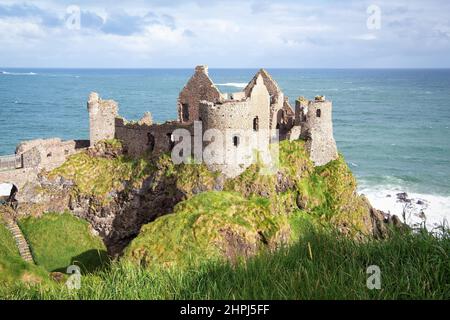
(436, 208)
(233, 84)
(18, 73)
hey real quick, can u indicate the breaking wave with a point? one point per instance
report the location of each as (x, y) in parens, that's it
(435, 208)
(18, 73)
(232, 84)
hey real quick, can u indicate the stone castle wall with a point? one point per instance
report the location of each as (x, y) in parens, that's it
(38, 155)
(102, 115)
(199, 87)
(139, 139)
(244, 127)
(317, 129)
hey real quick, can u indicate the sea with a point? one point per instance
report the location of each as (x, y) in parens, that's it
(391, 125)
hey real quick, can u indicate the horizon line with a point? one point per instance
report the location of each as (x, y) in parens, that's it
(212, 67)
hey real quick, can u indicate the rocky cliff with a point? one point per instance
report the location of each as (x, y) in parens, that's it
(204, 213)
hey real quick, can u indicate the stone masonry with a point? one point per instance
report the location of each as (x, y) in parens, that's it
(260, 107)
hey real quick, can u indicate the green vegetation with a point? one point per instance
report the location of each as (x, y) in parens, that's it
(208, 226)
(98, 176)
(60, 240)
(263, 237)
(12, 267)
(321, 265)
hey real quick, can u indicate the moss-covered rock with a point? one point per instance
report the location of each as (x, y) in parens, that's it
(98, 176)
(209, 226)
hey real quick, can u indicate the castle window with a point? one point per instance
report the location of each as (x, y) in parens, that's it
(236, 141)
(150, 141)
(185, 111)
(318, 113)
(49, 155)
(171, 141)
(255, 124)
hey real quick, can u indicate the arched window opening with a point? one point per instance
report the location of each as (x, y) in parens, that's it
(256, 124)
(236, 141)
(150, 142)
(318, 113)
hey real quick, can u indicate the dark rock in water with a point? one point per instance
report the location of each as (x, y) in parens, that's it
(388, 196)
(403, 197)
(420, 202)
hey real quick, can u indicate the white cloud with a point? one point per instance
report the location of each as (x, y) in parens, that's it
(239, 34)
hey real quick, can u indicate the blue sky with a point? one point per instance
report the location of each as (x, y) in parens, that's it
(232, 33)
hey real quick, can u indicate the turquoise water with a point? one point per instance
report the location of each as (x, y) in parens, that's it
(393, 126)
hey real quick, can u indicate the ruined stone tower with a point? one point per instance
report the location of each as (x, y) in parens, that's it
(102, 115)
(199, 87)
(244, 126)
(315, 119)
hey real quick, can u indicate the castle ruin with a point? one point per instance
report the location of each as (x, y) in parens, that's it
(251, 120)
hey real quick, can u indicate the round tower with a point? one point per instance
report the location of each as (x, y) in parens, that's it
(317, 130)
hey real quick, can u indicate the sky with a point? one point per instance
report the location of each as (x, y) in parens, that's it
(226, 34)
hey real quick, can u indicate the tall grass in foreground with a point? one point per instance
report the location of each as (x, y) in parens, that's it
(320, 266)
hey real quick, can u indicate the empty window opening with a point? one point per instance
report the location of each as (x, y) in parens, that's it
(318, 113)
(150, 141)
(49, 155)
(235, 141)
(256, 124)
(185, 111)
(171, 141)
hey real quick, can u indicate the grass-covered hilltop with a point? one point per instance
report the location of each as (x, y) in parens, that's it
(148, 229)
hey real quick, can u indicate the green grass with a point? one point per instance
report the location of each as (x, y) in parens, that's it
(321, 265)
(12, 267)
(208, 226)
(98, 176)
(60, 240)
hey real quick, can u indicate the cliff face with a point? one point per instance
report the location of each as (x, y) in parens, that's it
(209, 215)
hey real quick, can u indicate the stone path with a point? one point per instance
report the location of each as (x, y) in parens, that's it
(21, 242)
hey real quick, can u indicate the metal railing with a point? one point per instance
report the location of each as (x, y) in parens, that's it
(11, 162)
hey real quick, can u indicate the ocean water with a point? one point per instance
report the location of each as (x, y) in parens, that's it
(392, 126)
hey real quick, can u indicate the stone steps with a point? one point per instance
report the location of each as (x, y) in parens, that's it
(21, 242)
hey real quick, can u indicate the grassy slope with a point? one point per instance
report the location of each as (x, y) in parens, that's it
(319, 265)
(12, 266)
(322, 265)
(196, 229)
(200, 228)
(59, 240)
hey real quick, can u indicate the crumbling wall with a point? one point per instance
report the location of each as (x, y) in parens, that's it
(278, 116)
(48, 154)
(199, 87)
(236, 122)
(317, 130)
(38, 155)
(102, 114)
(140, 138)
